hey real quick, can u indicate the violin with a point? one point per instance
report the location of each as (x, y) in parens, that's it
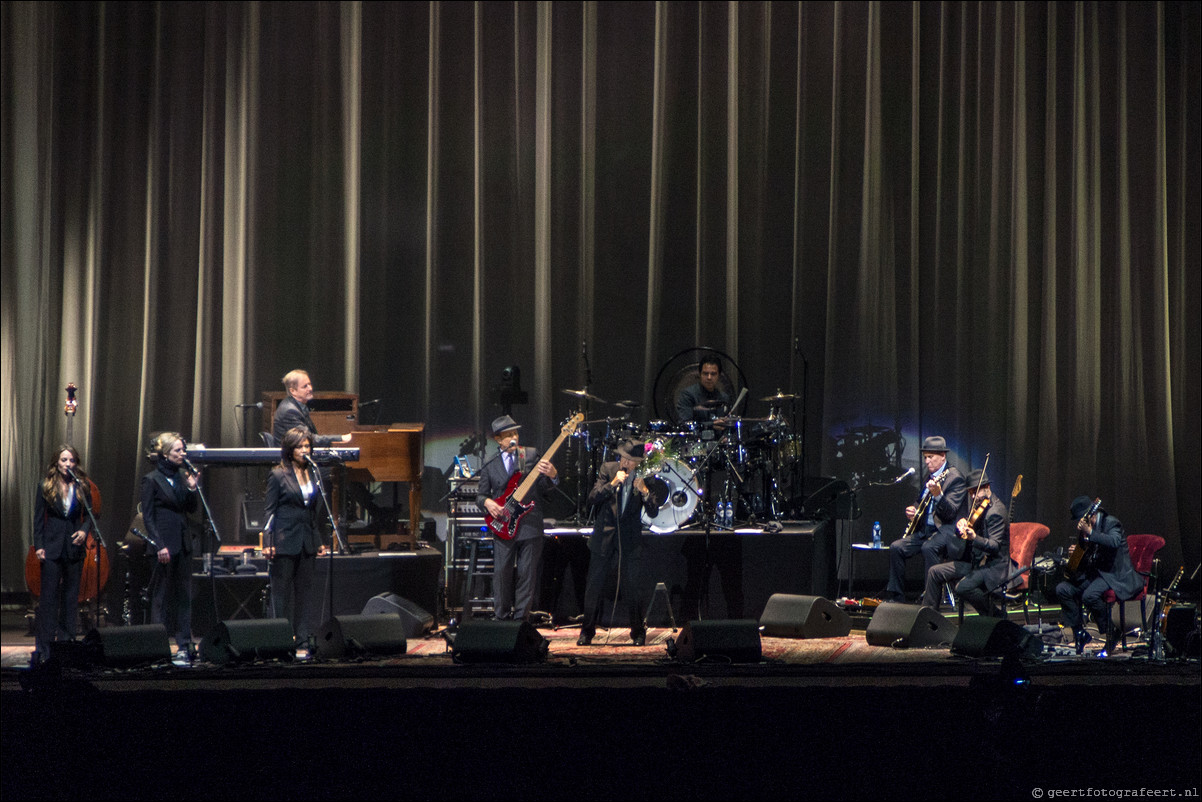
(978, 510)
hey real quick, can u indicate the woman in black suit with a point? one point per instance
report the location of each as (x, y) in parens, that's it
(291, 540)
(168, 495)
(60, 529)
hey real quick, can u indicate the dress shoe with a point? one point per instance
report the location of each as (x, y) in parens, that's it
(586, 638)
(1082, 637)
(639, 637)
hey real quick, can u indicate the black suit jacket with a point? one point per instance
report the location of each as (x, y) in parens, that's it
(52, 528)
(612, 525)
(165, 510)
(493, 480)
(990, 551)
(1112, 560)
(290, 414)
(952, 505)
(294, 527)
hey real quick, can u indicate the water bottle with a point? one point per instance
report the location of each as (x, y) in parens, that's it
(876, 535)
(730, 513)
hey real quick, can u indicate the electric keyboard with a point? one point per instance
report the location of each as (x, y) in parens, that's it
(264, 456)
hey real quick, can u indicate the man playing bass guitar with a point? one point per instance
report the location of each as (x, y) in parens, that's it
(517, 556)
(932, 529)
(1107, 566)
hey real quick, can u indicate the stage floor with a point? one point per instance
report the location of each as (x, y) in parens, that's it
(822, 718)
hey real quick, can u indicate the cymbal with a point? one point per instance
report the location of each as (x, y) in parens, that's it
(586, 394)
(779, 397)
(628, 404)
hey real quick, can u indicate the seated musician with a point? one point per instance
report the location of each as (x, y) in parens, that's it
(704, 401)
(294, 411)
(517, 561)
(932, 533)
(986, 531)
(1105, 565)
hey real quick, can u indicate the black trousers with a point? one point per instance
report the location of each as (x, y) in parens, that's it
(292, 592)
(630, 595)
(58, 605)
(171, 597)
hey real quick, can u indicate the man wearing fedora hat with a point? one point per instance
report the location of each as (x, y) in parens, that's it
(516, 562)
(934, 535)
(616, 544)
(986, 561)
(1107, 566)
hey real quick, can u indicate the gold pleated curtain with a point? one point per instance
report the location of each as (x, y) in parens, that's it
(978, 220)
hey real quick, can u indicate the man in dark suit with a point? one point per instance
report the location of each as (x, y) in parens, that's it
(944, 501)
(986, 561)
(516, 561)
(1105, 566)
(293, 411)
(616, 544)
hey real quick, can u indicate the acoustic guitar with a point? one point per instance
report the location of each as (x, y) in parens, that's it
(1084, 555)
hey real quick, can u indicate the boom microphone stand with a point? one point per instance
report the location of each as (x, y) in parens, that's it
(84, 494)
(335, 536)
(211, 536)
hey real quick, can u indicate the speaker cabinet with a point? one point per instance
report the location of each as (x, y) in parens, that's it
(361, 636)
(125, 647)
(908, 626)
(485, 641)
(735, 641)
(994, 637)
(416, 621)
(246, 641)
(788, 616)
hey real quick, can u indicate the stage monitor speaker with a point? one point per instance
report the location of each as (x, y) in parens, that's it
(994, 637)
(416, 621)
(246, 641)
(788, 616)
(735, 641)
(361, 636)
(126, 647)
(908, 626)
(254, 516)
(486, 641)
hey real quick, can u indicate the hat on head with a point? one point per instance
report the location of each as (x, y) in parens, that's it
(978, 477)
(633, 449)
(504, 424)
(934, 443)
(1081, 505)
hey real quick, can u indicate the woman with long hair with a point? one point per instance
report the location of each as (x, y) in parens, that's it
(168, 495)
(60, 531)
(292, 540)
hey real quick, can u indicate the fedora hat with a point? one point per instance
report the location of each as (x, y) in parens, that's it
(504, 424)
(1080, 506)
(633, 450)
(978, 477)
(934, 443)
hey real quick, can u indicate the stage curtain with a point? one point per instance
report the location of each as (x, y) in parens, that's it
(978, 220)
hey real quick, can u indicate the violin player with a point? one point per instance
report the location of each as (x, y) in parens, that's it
(986, 532)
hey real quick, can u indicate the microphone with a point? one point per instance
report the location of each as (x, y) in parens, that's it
(74, 478)
(363, 404)
(256, 405)
(903, 476)
(309, 459)
(188, 464)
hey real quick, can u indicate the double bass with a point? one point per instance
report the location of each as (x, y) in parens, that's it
(95, 566)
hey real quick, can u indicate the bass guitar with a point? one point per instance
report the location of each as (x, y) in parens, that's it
(1084, 554)
(514, 505)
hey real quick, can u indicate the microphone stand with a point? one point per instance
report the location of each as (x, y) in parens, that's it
(211, 535)
(335, 537)
(85, 496)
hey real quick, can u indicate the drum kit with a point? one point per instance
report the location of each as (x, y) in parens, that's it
(716, 474)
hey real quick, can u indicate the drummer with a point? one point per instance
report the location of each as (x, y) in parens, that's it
(705, 401)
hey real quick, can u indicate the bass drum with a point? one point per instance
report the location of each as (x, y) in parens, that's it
(673, 485)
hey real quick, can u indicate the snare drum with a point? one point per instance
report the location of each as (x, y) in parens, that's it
(674, 487)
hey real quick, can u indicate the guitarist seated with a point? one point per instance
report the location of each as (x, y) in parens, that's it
(517, 552)
(1105, 564)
